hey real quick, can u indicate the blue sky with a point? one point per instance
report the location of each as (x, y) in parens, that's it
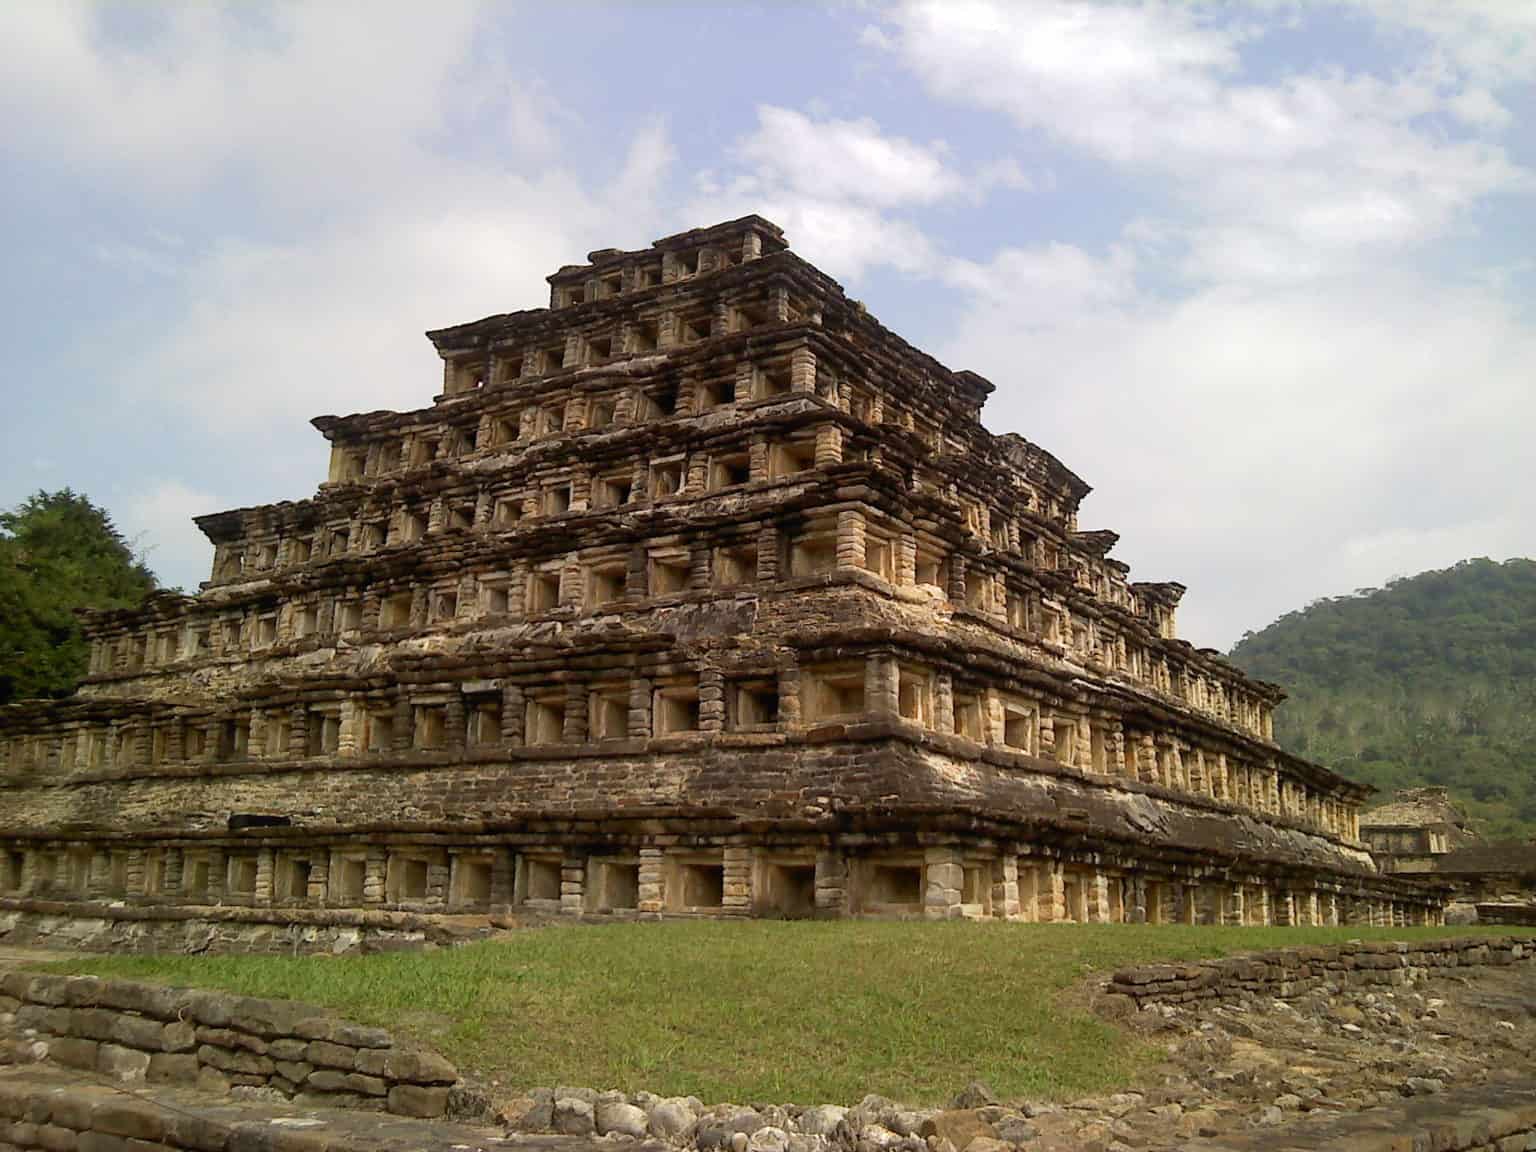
(1260, 274)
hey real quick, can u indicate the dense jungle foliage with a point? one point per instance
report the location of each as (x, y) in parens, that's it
(1430, 680)
(58, 552)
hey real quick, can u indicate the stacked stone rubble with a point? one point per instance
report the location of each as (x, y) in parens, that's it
(144, 1033)
(1288, 972)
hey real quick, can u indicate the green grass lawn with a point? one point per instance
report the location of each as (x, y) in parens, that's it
(760, 1011)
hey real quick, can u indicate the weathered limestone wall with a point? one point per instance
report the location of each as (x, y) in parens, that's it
(1288, 972)
(145, 1033)
(697, 593)
(124, 930)
(1002, 835)
(735, 774)
(1506, 913)
(628, 829)
(949, 658)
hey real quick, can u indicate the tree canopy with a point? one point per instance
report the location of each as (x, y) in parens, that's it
(58, 552)
(1430, 680)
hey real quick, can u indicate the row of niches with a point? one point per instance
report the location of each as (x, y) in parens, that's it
(652, 331)
(563, 489)
(520, 421)
(489, 506)
(601, 581)
(648, 270)
(484, 715)
(948, 882)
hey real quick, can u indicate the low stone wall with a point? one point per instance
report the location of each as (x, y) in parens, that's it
(216, 1042)
(1287, 972)
(1506, 913)
(1486, 1118)
(120, 929)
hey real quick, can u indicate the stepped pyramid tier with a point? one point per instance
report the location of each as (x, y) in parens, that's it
(698, 592)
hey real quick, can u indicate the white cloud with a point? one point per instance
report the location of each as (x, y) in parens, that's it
(1266, 447)
(151, 258)
(1058, 281)
(845, 240)
(1494, 39)
(1003, 173)
(157, 521)
(315, 102)
(1273, 397)
(281, 333)
(844, 160)
(839, 188)
(355, 227)
(846, 191)
(1306, 173)
(333, 117)
(1378, 557)
(1121, 73)
(277, 333)
(1481, 108)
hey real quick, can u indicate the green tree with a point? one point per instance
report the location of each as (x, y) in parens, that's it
(58, 553)
(1430, 680)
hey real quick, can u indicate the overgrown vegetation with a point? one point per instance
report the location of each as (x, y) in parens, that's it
(58, 552)
(1430, 680)
(808, 1012)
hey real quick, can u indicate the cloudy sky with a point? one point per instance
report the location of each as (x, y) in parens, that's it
(1262, 276)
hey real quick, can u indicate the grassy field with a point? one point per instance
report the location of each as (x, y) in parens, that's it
(758, 1011)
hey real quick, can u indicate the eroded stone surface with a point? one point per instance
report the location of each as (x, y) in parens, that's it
(698, 593)
(246, 1046)
(49, 1109)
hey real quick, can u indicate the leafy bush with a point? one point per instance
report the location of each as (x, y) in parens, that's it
(58, 553)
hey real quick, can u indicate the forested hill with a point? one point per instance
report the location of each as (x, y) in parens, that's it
(1430, 680)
